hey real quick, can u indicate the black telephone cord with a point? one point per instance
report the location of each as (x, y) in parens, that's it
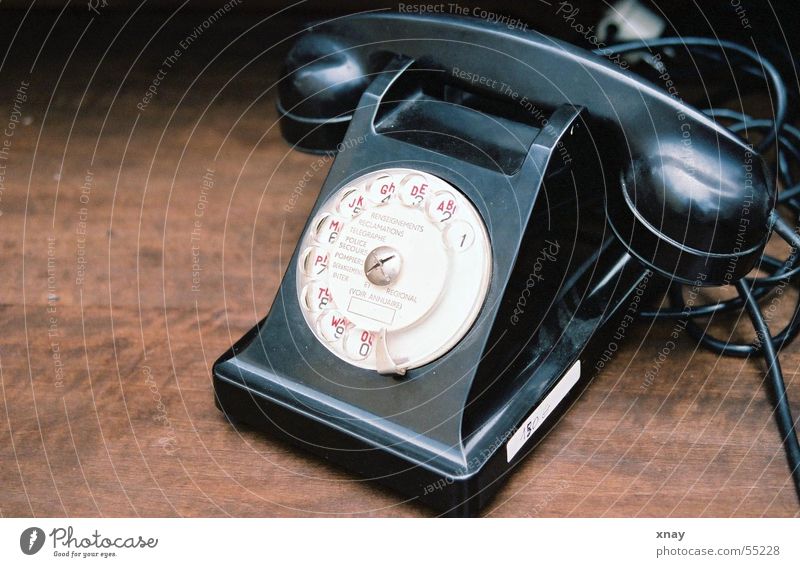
(783, 413)
(785, 138)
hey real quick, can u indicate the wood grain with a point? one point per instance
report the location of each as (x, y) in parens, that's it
(127, 426)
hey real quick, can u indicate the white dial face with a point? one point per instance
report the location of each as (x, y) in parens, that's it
(393, 270)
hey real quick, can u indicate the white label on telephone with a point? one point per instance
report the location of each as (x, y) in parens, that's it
(544, 409)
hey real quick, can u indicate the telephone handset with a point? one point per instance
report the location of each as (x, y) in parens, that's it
(684, 178)
(496, 209)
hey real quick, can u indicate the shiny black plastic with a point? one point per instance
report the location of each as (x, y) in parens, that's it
(542, 138)
(694, 200)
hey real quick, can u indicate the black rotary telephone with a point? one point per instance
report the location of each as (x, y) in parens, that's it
(499, 205)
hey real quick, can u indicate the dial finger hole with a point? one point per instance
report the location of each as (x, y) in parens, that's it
(359, 343)
(382, 189)
(318, 296)
(414, 190)
(332, 325)
(459, 236)
(442, 207)
(328, 228)
(352, 202)
(315, 261)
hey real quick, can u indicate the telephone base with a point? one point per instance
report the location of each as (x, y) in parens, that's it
(259, 397)
(452, 496)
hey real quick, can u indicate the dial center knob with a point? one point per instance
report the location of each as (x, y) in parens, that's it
(383, 265)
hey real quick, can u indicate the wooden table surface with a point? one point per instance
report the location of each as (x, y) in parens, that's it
(106, 348)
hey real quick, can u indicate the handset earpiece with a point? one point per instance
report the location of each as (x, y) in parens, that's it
(701, 223)
(323, 79)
